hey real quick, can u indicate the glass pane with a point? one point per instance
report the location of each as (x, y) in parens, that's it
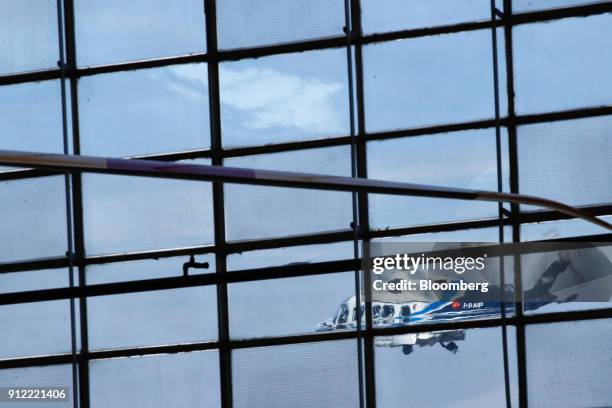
(184, 315)
(290, 255)
(429, 81)
(396, 15)
(284, 98)
(146, 269)
(567, 161)
(461, 159)
(471, 235)
(561, 229)
(32, 211)
(25, 324)
(147, 111)
(34, 280)
(45, 376)
(322, 375)
(263, 212)
(278, 307)
(247, 23)
(170, 380)
(563, 64)
(180, 215)
(531, 5)
(31, 117)
(116, 31)
(29, 35)
(466, 364)
(568, 364)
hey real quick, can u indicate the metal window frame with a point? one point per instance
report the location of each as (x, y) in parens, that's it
(71, 72)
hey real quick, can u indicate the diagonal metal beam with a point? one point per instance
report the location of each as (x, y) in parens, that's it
(201, 172)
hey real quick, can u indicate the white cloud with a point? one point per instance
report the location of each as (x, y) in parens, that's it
(266, 98)
(189, 80)
(270, 98)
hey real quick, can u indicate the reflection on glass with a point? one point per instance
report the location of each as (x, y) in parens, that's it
(467, 365)
(563, 64)
(322, 375)
(245, 23)
(29, 35)
(460, 159)
(393, 308)
(276, 307)
(33, 218)
(556, 278)
(263, 212)
(183, 315)
(120, 216)
(429, 81)
(567, 161)
(396, 15)
(159, 110)
(284, 98)
(568, 364)
(181, 380)
(115, 31)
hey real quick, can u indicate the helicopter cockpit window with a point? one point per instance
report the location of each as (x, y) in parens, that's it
(342, 316)
(388, 311)
(405, 311)
(376, 311)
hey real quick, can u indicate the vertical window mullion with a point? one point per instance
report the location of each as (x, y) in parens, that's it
(225, 362)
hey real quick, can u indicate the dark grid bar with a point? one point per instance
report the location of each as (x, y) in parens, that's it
(69, 213)
(221, 248)
(225, 353)
(500, 206)
(362, 198)
(515, 209)
(77, 195)
(356, 219)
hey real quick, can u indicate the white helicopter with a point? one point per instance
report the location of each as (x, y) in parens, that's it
(388, 315)
(553, 277)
